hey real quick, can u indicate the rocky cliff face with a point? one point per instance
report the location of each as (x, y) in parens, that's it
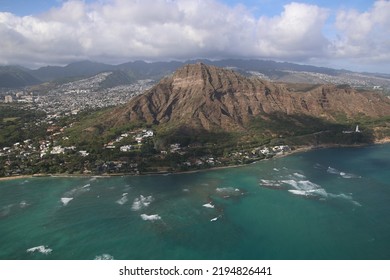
(207, 97)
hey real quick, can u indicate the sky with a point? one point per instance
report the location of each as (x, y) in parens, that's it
(353, 35)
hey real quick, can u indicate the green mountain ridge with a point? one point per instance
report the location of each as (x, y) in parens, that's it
(283, 71)
(15, 76)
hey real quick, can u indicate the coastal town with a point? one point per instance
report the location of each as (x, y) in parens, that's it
(128, 151)
(73, 97)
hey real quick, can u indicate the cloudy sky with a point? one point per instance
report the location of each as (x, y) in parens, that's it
(352, 34)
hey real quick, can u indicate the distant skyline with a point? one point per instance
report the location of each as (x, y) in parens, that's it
(353, 35)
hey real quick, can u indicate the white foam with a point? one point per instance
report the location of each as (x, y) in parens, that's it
(320, 192)
(298, 192)
(342, 195)
(127, 188)
(270, 183)
(332, 170)
(292, 183)
(104, 257)
(66, 200)
(296, 174)
(275, 169)
(228, 190)
(5, 210)
(345, 197)
(154, 217)
(23, 204)
(356, 203)
(123, 199)
(141, 202)
(348, 175)
(186, 190)
(302, 185)
(78, 191)
(208, 205)
(343, 174)
(41, 249)
(305, 187)
(318, 166)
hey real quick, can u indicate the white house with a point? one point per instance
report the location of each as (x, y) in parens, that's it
(125, 148)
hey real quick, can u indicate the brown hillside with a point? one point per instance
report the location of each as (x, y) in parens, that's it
(207, 97)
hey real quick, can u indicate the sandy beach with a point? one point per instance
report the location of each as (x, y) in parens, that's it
(15, 177)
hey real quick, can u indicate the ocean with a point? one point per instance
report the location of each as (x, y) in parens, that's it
(322, 204)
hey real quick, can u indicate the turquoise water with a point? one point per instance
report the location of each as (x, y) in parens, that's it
(324, 204)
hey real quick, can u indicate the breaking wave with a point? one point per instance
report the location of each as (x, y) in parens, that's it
(123, 199)
(349, 175)
(345, 197)
(154, 217)
(345, 175)
(295, 184)
(228, 192)
(65, 200)
(299, 175)
(270, 183)
(299, 192)
(23, 204)
(104, 257)
(5, 210)
(306, 188)
(70, 195)
(332, 170)
(141, 202)
(40, 249)
(208, 205)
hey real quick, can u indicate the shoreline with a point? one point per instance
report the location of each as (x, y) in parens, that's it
(300, 149)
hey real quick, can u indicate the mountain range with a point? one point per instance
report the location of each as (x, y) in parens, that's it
(16, 77)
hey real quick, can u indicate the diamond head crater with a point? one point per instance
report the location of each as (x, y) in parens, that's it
(140, 118)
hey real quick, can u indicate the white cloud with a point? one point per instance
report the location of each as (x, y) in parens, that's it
(364, 36)
(297, 32)
(122, 30)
